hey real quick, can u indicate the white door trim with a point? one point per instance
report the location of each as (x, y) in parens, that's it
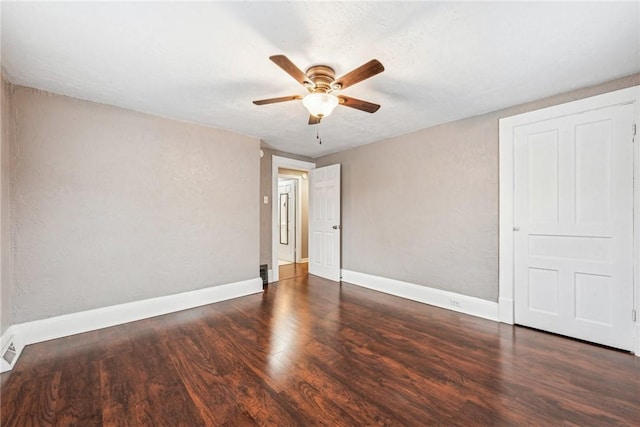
(506, 168)
(298, 213)
(278, 162)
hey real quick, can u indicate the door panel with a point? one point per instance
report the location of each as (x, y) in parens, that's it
(324, 222)
(573, 253)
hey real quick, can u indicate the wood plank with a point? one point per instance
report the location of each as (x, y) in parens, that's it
(31, 402)
(140, 387)
(205, 381)
(80, 372)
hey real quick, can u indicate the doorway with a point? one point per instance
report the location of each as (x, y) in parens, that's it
(288, 220)
(290, 245)
(293, 223)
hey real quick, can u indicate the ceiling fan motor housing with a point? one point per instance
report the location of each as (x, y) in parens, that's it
(322, 76)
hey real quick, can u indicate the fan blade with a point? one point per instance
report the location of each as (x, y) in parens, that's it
(361, 73)
(291, 69)
(274, 100)
(358, 104)
(313, 120)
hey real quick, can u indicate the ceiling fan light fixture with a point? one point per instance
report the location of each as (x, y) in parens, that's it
(320, 104)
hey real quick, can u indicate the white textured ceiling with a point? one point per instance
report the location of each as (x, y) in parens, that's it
(206, 62)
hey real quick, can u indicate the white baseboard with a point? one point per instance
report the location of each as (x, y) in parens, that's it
(444, 299)
(91, 320)
(303, 260)
(506, 310)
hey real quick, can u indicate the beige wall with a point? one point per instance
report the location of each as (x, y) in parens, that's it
(115, 206)
(423, 207)
(6, 286)
(265, 190)
(304, 195)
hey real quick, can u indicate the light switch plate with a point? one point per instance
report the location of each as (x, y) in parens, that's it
(266, 200)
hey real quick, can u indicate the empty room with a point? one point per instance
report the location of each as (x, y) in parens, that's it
(319, 213)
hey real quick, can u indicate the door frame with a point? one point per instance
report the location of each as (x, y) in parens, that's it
(298, 237)
(506, 284)
(278, 162)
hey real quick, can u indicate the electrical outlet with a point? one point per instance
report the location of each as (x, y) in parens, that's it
(455, 303)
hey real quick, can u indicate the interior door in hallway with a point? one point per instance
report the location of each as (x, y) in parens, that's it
(287, 220)
(324, 222)
(573, 217)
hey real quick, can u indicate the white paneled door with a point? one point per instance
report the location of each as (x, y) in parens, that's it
(324, 222)
(287, 220)
(573, 223)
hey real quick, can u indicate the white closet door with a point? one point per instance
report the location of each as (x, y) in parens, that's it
(573, 212)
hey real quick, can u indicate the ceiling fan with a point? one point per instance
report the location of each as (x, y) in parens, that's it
(322, 85)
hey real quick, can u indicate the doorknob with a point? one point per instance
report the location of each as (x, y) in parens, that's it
(337, 227)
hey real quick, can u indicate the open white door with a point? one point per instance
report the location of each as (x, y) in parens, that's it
(324, 222)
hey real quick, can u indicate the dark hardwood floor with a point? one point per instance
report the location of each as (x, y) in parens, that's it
(289, 271)
(313, 352)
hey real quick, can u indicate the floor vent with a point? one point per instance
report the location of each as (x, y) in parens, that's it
(10, 353)
(264, 274)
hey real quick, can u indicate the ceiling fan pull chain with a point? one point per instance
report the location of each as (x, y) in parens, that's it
(318, 134)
